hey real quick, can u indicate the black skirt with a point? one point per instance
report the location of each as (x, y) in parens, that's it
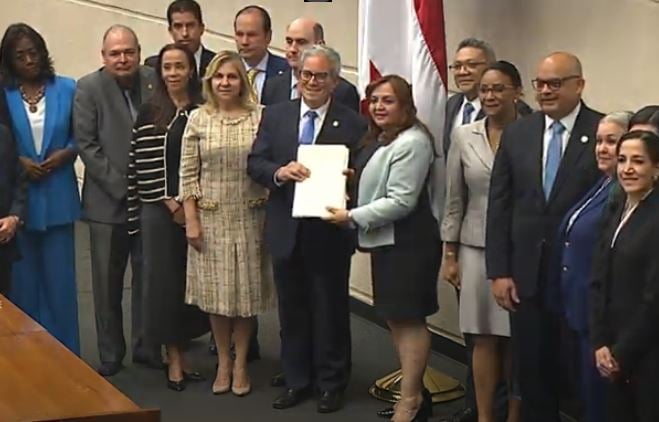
(167, 319)
(405, 274)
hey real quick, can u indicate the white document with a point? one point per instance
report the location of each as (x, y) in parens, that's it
(326, 186)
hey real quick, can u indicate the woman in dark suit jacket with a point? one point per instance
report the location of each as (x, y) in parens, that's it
(397, 227)
(624, 291)
(577, 237)
(40, 105)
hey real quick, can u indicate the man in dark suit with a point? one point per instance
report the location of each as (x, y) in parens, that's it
(186, 26)
(545, 164)
(105, 108)
(311, 258)
(301, 34)
(13, 187)
(253, 33)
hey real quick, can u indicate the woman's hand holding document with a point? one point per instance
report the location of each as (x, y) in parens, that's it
(325, 184)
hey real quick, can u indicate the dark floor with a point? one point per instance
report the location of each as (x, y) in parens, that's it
(373, 357)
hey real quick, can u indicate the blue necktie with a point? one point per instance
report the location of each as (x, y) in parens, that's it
(309, 128)
(466, 113)
(554, 152)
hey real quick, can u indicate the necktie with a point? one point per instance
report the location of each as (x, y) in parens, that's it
(294, 93)
(251, 77)
(553, 160)
(309, 128)
(467, 111)
(131, 107)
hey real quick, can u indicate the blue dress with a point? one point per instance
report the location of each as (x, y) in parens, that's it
(44, 283)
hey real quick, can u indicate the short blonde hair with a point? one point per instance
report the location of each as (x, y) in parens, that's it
(211, 102)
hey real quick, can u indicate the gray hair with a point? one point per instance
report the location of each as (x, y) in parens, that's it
(330, 54)
(620, 118)
(484, 46)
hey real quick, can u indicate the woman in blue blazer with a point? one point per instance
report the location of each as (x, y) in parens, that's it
(578, 235)
(39, 108)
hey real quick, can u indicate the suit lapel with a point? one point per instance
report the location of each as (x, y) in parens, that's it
(578, 143)
(329, 131)
(146, 87)
(22, 127)
(52, 114)
(291, 128)
(480, 145)
(116, 97)
(535, 141)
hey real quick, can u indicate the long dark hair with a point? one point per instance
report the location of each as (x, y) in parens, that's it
(403, 92)
(13, 34)
(162, 104)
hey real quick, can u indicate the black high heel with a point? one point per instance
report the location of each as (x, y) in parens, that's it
(425, 410)
(177, 386)
(387, 412)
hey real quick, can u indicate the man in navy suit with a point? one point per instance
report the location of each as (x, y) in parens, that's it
(186, 26)
(311, 258)
(545, 164)
(253, 32)
(301, 34)
(13, 187)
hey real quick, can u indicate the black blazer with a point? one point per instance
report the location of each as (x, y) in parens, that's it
(13, 185)
(206, 57)
(453, 106)
(521, 224)
(276, 145)
(624, 289)
(278, 89)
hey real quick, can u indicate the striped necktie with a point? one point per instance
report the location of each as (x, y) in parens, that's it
(251, 77)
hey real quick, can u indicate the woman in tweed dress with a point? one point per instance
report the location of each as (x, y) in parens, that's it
(228, 272)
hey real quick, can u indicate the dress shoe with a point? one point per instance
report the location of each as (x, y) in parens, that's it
(463, 415)
(291, 397)
(193, 376)
(330, 401)
(177, 386)
(241, 391)
(109, 368)
(278, 380)
(387, 412)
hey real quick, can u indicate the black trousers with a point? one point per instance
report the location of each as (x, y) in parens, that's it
(5, 272)
(312, 288)
(636, 399)
(536, 336)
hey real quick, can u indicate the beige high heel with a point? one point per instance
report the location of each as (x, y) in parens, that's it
(241, 391)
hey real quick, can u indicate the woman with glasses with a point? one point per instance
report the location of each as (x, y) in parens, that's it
(469, 165)
(40, 106)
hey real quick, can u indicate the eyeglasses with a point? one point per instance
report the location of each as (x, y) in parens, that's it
(553, 84)
(494, 89)
(466, 65)
(307, 75)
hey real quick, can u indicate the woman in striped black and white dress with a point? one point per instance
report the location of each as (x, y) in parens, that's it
(155, 213)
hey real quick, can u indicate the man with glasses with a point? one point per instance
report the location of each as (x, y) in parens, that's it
(105, 108)
(311, 257)
(545, 164)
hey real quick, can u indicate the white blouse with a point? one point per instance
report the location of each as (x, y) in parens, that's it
(37, 121)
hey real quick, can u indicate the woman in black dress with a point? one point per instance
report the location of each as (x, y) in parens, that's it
(396, 225)
(624, 301)
(156, 215)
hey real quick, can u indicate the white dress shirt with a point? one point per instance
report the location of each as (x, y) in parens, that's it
(294, 93)
(318, 124)
(259, 80)
(197, 58)
(476, 103)
(37, 121)
(568, 124)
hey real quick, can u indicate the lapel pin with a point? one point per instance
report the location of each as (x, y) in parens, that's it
(584, 139)
(149, 86)
(335, 123)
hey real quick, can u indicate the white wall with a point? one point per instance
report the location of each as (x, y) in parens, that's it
(616, 40)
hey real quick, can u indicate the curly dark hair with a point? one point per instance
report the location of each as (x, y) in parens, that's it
(13, 35)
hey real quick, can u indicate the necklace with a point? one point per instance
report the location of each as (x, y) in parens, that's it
(32, 100)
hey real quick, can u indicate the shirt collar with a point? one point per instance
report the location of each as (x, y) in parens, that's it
(262, 65)
(476, 102)
(197, 56)
(293, 80)
(567, 121)
(322, 110)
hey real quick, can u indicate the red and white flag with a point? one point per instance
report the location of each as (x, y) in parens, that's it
(406, 37)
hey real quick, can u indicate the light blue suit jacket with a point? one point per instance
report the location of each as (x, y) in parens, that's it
(54, 200)
(390, 185)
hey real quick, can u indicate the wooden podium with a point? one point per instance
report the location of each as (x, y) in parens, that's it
(41, 380)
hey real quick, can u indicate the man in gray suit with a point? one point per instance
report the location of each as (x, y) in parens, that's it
(105, 108)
